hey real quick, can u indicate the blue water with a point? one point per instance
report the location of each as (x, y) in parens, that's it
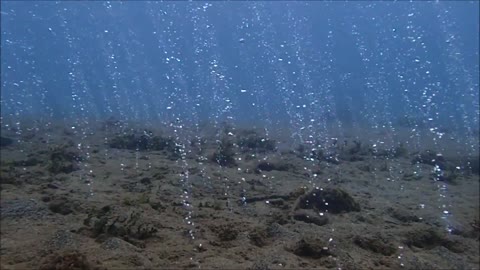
(267, 62)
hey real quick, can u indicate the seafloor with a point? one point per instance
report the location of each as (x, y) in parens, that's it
(108, 197)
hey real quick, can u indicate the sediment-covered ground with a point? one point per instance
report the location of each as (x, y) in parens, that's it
(117, 198)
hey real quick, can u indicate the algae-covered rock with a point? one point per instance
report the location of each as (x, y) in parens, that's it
(115, 221)
(332, 200)
(32, 161)
(62, 206)
(63, 160)
(143, 142)
(375, 243)
(430, 158)
(474, 164)
(427, 237)
(68, 260)
(403, 215)
(310, 216)
(400, 151)
(310, 247)
(18, 209)
(249, 140)
(225, 232)
(225, 154)
(259, 236)
(274, 165)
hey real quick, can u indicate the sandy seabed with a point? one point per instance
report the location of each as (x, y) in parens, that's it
(116, 198)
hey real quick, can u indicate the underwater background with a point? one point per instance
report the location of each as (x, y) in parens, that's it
(239, 135)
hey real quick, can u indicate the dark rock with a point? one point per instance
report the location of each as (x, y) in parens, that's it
(474, 164)
(69, 260)
(309, 216)
(144, 141)
(333, 159)
(161, 172)
(61, 206)
(177, 203)
(68, 132)
(114, 243)
(274, 166)
(111, 123)
(279, 202)
(63, 160)
(26, 163)
(351, 158)
(225, 232)
(447, 176)
(256, 182)
(9, 175)
(355, 148)
(250, 140)
(4, 141)
(53, 186)
(301, 150)
(354, 151)
(137, 187)
(317, 154)
(327, 200)
(278, 217)
(297, 193)
(430, 158)
(310, 247)
(382, 153)
(428, 238)
(157, 205)
(472, 231)
(146, 181)
(402, 215)
(259, 236)
(400, 151)
(224, 155)
(365, 168)
(475, 229)
(411, 177)
(265, 166)
(377, 244)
